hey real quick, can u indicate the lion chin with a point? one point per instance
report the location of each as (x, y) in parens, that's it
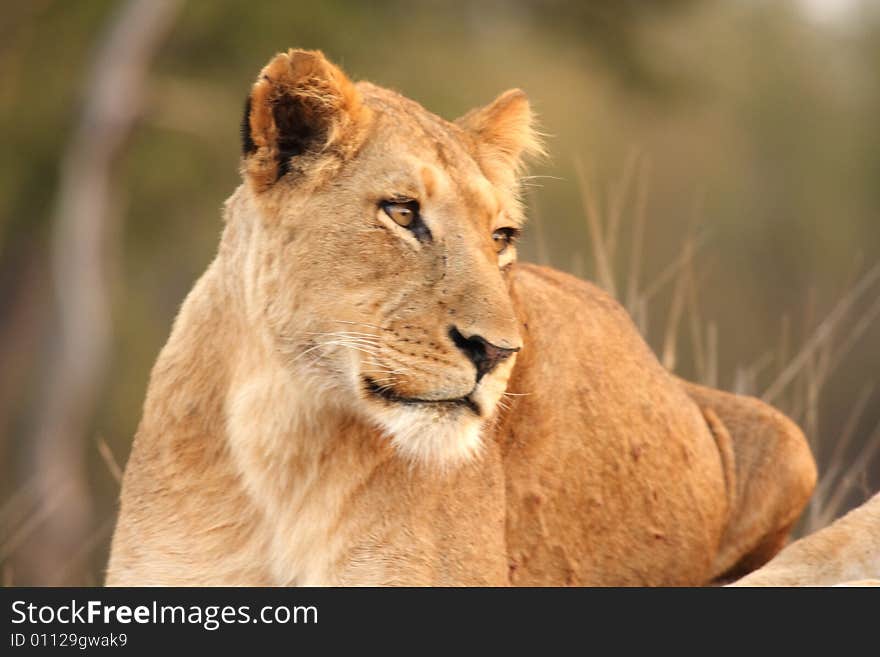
(438, 434)
(440, 437)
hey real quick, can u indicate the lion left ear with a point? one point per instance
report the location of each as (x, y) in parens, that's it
(300, 108)
(504, 133)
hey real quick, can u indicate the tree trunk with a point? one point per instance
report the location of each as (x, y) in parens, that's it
(80, 343)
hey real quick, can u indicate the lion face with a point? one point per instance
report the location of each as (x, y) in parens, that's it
(383, 238)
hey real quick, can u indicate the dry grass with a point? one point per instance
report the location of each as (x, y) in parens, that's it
(797, 380)
(22, 514)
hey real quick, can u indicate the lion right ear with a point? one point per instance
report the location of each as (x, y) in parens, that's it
(301, 108)
(504, 132)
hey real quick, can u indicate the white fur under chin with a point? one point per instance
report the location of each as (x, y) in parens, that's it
(443, 437)
(433, 438)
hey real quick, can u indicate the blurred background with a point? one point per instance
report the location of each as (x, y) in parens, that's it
(714, 163)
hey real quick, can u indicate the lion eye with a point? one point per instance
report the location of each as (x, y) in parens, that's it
(504, 237)
(403, 213)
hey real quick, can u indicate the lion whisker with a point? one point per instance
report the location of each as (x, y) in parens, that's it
(363, 349)
(347, 336)
(386, 380)
(343, 321)
(353, 334)
(368, 350)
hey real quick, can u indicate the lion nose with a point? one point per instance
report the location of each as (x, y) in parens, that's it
(482, 353)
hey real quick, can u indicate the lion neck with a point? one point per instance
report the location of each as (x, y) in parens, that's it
(221, 390)
(297, 459)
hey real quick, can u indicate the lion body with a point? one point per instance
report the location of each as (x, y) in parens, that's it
(268, 455)
(616, 480)
(846, 553)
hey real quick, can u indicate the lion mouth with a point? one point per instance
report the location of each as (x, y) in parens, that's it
(389, 395)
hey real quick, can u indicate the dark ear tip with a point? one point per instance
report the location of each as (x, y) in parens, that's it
(247, 141)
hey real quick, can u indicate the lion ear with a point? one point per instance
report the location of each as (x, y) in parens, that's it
(301, 107)
(504, 133)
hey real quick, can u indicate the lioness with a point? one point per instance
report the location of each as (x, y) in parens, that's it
(364, 388)
(846, 553)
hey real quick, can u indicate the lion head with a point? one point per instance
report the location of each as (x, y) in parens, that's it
(379, 241)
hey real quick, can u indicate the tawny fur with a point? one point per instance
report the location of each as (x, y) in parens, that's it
(263, 458)
(846, 553)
